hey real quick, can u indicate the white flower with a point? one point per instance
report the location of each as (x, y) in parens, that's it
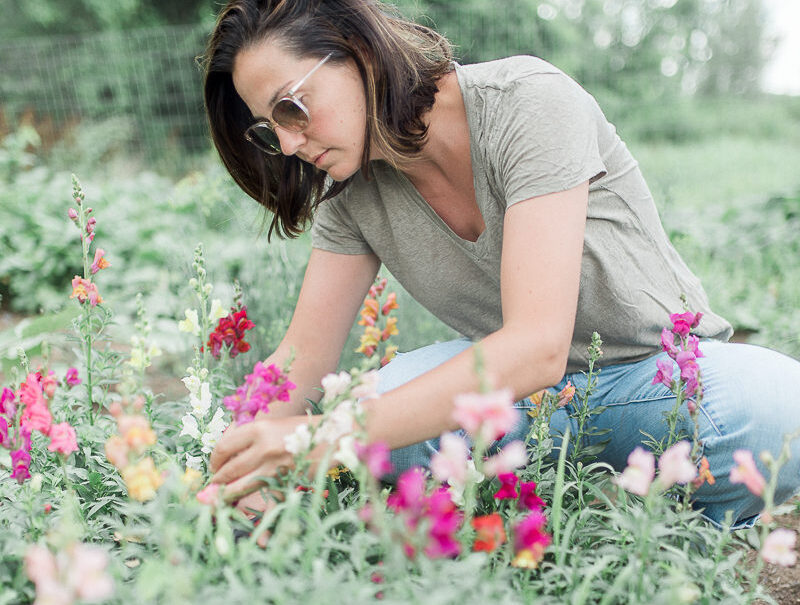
(779, 549)
(346, 454)
(190, 427)
(201, 403)
(338, 423)
(192, 383)
(190, 324)
(213, 431)
(335, 385)
(450, 462)
(457, 489)
(217, 311)
(298, 441)
(194, 462)
(367, 387)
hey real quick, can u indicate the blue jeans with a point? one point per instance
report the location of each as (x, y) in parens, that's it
(751, 399)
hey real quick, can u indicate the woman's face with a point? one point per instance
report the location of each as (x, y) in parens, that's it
(334, 96)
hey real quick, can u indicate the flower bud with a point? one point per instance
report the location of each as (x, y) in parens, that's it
(73, 214)
(36, 482)
(193, 283)
(766, 457)
(208, 289)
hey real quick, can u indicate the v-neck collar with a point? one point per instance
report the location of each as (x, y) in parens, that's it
(477, 247)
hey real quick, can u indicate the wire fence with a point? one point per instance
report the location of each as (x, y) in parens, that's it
(146, 82)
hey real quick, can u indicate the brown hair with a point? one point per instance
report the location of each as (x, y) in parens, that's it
(399, 63)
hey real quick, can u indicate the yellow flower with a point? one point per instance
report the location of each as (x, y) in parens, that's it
(142, 479)
(528, 558)
(390, 329)
(192, 478)
(334, 473)
(369, 340)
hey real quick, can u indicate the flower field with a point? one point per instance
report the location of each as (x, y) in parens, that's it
(104, 493)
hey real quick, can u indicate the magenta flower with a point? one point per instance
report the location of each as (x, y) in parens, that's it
(530, 534)
(71, 378)
(409, 493)
(20, 462)
(445, 519)
(639, 474)
(675, 466)
(7, 405)
(376, 457)
(528, 500)
(690, 370)
(508, 486)
(779, 546)
(746, 472)
(264, 386)
(4, 440)
(63, 439)
(664, 374)
(485, 415)
(684, 322)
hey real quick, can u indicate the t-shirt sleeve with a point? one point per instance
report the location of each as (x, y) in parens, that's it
(545, 136)
(334, 230)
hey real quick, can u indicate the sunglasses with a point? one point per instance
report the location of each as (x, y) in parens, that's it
(288, 113)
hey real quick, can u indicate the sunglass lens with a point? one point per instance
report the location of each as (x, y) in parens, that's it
(289, 115)
(265, 138)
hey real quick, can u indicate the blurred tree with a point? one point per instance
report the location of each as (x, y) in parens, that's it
(23, 18)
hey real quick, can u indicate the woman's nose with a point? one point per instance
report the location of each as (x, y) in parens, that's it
(290, 141)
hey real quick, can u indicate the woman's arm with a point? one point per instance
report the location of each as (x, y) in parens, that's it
(540, 276)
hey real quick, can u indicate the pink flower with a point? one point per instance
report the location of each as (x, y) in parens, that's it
(528, 500)
(30, 392)
(668, 342)
(63, 439)
(20, 462)
(72, 377)
(4, 440)
(507, 460)
(508, 486)
(693, 345)
(99, 261)
(779, 549)
(675, 466)
(73, 214)
(84, 290)
(36, 418)
(264, 386)
(450, 462)
(684, 322)
(208, 495)
(40, 564)
(87, 574)
(638, 475)
(690, 370)
(486, 415)
(746, 472)
(664, 374)
(49, 385)
(376, 456)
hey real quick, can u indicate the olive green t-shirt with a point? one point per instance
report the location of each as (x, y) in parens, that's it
(533, 131)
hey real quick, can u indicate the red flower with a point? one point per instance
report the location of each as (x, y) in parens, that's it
(230, 331)
(490, 532)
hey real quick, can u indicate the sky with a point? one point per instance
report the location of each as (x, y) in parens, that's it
(782, 73)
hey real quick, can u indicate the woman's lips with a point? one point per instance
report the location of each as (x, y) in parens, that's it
(319, 158)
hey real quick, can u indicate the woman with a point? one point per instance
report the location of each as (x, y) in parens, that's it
(502, 200)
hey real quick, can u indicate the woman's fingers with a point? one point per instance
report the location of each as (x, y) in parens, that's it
(233, 441)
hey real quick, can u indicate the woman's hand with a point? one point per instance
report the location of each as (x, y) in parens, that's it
(246, 453)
